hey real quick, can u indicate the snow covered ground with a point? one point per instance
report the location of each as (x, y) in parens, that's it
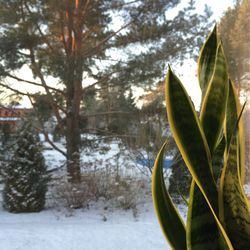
(91, 229)
(88, 229)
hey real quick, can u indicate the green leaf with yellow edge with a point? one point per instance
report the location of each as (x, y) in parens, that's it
(206, 61)
(217, 160)
(233, 203)
(202, 229)
(189, 137)
(231, 115)
(168, 216)
(234, 206)
(233, 111)
(191, 141)
(215, 102)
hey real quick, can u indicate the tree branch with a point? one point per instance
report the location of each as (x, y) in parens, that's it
(87, 53)
(39, 29)
(124, 4)
(102, 80)
(33, 83)
(44, 84)
(108, 113)
(46, 136)
(17, 91)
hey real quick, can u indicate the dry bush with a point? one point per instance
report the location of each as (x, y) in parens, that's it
(127, 192)
(68, 195)
(123, 192)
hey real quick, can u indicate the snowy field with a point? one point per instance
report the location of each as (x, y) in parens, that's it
(91, 229)
(88, 229)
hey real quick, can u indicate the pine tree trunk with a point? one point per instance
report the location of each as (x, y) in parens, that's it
(74, 92)
(73, 131)
(73, 147)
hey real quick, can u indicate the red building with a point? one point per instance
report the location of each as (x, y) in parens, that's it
(12, 116)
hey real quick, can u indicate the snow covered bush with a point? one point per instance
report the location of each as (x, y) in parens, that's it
(25, 177)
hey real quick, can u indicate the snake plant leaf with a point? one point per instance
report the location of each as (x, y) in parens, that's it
(234, 206)
(217, 160)
(233, 110)
(190, 139)
(231, 115)
(185, 126)
(206, 61)
(215, 101)
(202, 229)
(242, 149)
(168, 216)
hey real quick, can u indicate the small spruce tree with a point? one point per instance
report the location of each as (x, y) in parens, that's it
(25, 177)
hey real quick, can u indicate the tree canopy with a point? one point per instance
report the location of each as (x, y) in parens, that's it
(117, 43)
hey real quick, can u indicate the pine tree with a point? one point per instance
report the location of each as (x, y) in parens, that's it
(25, 178)
(73, 41)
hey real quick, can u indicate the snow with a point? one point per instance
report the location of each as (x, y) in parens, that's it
(101, 155)
(53, 158)
(247, 190)
(90, 229)
(97, 227)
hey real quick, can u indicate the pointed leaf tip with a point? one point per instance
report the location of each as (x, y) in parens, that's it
(207, 60)
(169, 68)
(215, 29)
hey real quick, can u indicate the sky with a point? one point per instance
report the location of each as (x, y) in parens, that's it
(186, 72)
(217, 6)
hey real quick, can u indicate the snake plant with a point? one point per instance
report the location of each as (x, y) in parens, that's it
(212, 147)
